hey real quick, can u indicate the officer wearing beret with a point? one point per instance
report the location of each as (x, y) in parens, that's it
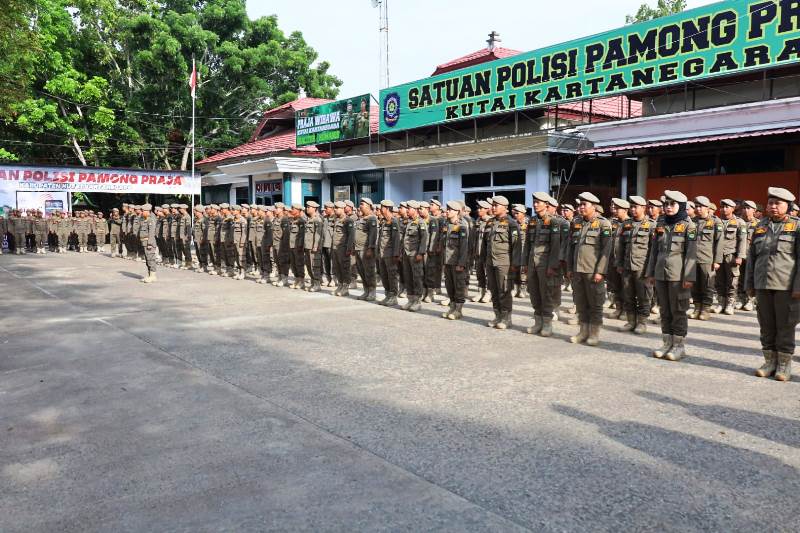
(229, 241)
(266, 245)
(709, 250)
(115, 232)
(215, 238)
(390, 249)
(542, 263)
(199, 235)
(328, 219)
(171, 225)
(433, 257)
(588, 255)
(733, 252)
(313, 236)
(773, 277)
(297, 228)
(455, 243)
(365, 246)
(520, 214)
(672, 269)
(503, 259)
(280, 245)
(240, 240)
(619, 211)
(747, 211)
(147, 237)
(632, 256)
(415, 246)
(342, 244)
(479, 247)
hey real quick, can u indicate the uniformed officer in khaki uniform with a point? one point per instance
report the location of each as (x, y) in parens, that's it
(266, 246)
(200, 237)
(433, 256)
(542, 264)
(297, 228)
(415, 246)
(280, 245)
(329, 219)
(481, 225)
(390, 249)
(619, 210)
(342, 244)
(313, 236)
(455, 243)
(366, 244)
(773, 277)
(709, 257)
(747, 211)
(589, 252)
(147, 237)
(733, 254)
(502, 259)
(240, 240)
(672, 269)
(632, 256)
(215, 248)
(520, 214)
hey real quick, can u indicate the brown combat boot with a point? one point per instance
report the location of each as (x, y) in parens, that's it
(630, 325)
(770, 364)
(582, 335)
(547, 327)
(497, 317)
(594, 335)
(784, 371)
(536, 328)
(696, 312)
(505, 321)
(457, 313)
(449, 311)
(678, 350)
(666, 346)
(641, 325)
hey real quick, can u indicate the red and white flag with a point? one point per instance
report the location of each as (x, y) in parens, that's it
(193, 79)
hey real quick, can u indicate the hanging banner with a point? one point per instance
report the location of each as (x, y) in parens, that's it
(85, 179)
(336, 121)
(715, 40)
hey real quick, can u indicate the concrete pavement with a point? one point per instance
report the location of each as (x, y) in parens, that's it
(200, 404)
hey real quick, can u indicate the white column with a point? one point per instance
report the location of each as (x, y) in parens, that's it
(641, 176)
(537, 177)
(297, 189)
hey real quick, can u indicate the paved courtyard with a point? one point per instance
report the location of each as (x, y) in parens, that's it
(205, 404)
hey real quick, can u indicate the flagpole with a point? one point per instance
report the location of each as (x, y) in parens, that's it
(194, 97)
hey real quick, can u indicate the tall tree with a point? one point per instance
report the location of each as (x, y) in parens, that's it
(111, 80)
(662, 9)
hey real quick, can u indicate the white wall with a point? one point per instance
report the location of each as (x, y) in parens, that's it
(407, 184)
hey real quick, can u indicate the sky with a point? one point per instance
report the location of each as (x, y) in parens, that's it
(426, 33)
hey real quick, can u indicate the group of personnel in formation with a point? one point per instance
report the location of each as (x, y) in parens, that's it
(650, 257)
(30, 231)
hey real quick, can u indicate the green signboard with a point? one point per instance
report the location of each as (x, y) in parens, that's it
(714, 40)
(336, 121)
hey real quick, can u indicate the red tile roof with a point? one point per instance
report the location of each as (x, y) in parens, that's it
(286, 111)
(280, 142)
(475, 58)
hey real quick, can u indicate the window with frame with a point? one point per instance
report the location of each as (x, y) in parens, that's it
(506, 178)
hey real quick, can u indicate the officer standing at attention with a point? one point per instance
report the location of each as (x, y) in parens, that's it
(633, 254)
(266, 246)
(619, 209)
(255, 234)
(147, 237)
(280, 245)
(100, 232)
(328, 219)
(503, 259)
(433, 255)
(199, 234)
(228, 240)
(366, 242)
(672, 270)
(481, 224)
(748, 210)
(709, 256)
(773, 278)
(312, 245)
(733, 253)
(415, 246)
(116, 233)
(297, 227)
(542, 263)
(589, 251)
(185, 236)
(342, 248)
(161, 232)
(240, 239)
(519, 213)
(390, 248)
(455, 233)
(215, 238)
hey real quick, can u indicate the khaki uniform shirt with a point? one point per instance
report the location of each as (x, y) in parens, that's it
(734, 238)
(590, 246)
(774, 256)
(673, 256)
(543, 243)
(709, 236)
(390, 241)
(455, 241)
(415, 238)
(503, 243)
(634, 244)
(314, 235)
(366, 236)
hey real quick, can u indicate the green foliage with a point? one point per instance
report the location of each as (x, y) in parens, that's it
(662, 9)
(111, 79)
